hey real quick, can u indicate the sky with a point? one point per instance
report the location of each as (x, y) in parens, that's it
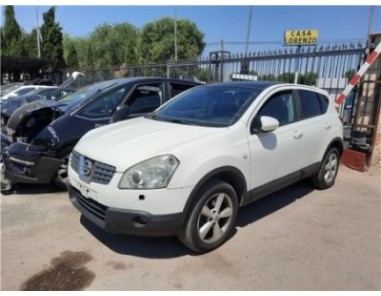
(227, 23)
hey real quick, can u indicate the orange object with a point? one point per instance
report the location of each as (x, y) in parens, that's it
(354, 159)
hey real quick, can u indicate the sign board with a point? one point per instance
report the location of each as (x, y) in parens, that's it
(300, 37)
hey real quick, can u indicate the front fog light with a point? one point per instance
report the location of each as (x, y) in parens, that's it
(152, 173)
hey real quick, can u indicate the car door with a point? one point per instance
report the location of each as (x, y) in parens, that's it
(274, 156)
(98, 112)
(314, 126)
(144, 98)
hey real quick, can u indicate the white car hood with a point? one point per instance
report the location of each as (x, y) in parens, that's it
(129, 142)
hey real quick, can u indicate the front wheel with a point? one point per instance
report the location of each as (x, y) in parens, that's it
(329, 167)
(212, 217)
(62, 178)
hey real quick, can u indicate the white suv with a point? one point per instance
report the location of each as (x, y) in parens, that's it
(187, 167)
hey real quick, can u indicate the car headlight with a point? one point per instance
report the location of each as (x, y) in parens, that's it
(153, 173)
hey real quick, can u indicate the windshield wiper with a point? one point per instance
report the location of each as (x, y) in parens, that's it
(181, 121)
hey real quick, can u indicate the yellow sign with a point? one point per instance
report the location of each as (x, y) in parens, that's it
(300, 37)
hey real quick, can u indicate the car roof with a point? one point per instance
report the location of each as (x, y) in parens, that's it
(248, 84)
(120, 81)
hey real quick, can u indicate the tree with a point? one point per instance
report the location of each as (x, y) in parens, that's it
(52, 47)
(30, 42)
(3, 42)
(112, 45)
(309, 78)
(11, 33)
(158, 40)
(287, 77)
(350, 73)
(268, 77)
(72, 58)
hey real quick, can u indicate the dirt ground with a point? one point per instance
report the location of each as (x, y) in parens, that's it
(296, 239)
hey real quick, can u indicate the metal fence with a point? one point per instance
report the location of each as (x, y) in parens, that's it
(324, 66)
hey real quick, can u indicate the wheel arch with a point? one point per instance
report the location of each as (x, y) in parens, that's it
(337, 143)
(229, 174)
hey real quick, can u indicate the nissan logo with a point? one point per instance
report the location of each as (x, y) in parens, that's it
(87, 167)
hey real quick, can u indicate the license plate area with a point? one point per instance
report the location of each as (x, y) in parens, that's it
(85, 190)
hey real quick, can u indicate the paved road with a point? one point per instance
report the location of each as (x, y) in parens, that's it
(296, 239)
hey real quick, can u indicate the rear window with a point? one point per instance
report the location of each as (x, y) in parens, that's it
(312, 104)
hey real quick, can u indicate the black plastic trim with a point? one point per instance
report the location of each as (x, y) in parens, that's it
(132, 222)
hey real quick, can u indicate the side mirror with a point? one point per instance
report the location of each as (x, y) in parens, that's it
(120, 113)
(269, 124)
(264, 124)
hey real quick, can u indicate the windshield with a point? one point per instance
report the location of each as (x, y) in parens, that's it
(9, 89)
(85, 93)
(208, 106)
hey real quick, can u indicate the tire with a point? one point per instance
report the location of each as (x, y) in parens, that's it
(62, 179)
(6, 185)
(329, 167)
(212, 218)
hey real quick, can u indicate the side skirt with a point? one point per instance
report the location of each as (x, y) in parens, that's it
(273, 186)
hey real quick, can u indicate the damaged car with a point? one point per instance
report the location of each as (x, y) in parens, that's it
(42, 134)
(70, 85)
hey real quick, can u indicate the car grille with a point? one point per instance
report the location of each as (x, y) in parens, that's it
(90, 170)
(91, 205)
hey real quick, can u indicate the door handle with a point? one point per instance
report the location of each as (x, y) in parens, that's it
(297, 134)
(327, 125)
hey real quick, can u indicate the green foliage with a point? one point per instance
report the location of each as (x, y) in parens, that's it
(52, 47)
(113, 45)
(158, 40)
(287, 77)
(72, 57)
(204, 74)
(268, 77)
(107, 45)
(30, 43)
(11, 32)
(350, 73)
(308, 79)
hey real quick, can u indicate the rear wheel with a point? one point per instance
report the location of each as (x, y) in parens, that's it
(212, 217)
(62, 179)
(326, 176)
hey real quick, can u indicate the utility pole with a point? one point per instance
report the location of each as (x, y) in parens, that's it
(38, 34)
(248, 30)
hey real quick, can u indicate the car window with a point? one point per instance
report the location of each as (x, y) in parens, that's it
(145, 98)
(9, 89)
(24, 91)
(310, 104)
(85, 94)
(324, 102)
(176, 88)
(280, 106)
(49, 94)
(103, 106)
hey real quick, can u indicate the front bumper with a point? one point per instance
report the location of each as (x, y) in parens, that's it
(123, 221)
(25, 163)
(5, 140)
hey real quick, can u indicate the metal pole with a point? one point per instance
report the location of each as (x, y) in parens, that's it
(371, 17)
(175, 33)
(248, 30)
(296, 78)
(222, 63)
(38, 35)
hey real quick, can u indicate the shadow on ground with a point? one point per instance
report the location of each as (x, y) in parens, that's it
(170, 247)
(27, 189)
